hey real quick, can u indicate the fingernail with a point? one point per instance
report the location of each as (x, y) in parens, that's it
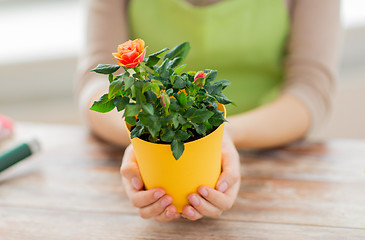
(165, 202)
(190, 212)
(170, 214)
(203, 192)
(194, 200)
(136, 183)
(222, 187)
(158, 194)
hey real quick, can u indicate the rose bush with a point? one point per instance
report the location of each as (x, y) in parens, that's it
(160, 102)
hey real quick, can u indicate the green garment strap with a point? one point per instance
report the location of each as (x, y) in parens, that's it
(243, 39)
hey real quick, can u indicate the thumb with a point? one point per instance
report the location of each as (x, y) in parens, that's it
(130, 170)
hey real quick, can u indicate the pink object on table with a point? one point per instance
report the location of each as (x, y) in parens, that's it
(6, 127)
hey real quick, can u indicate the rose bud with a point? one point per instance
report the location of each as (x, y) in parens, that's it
(199, 79)
(165, 99)
(130, 53)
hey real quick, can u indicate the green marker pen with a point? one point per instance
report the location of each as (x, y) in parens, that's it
(18, 153)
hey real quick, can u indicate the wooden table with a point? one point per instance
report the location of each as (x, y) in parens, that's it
(72, 190)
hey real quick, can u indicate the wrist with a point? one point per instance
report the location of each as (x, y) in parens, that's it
(237, 131)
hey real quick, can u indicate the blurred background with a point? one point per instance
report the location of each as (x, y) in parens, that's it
(41, 39)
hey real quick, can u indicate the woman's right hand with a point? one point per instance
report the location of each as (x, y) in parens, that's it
(153, 203)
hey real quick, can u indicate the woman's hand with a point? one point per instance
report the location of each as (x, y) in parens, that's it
(212, 202)
(153, 203)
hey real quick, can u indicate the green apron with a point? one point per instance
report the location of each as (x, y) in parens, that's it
(243, 39)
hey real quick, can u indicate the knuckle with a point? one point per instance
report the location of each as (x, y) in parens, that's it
(153, 210)
(123, 171)
(134, 203)
(127, 170)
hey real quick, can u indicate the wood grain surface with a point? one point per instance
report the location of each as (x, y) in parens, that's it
(72, 190)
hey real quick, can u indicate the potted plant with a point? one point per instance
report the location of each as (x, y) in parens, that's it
(175, 118)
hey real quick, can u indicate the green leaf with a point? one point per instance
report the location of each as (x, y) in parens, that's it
(103, 105)
(181, 119)
(146, 86)
(155, 88)
(180, 50)
(138, 84)
(200, 129)
(177, 148)
(120, 102)
(201, 115)
(208, 126)
(151, 122)
(162, 68)
(168, 136)
(111, 78)
(114, 87)
(186, 126)
(175, 62)
(145, 120)
(148, 108)
(175, 121)
(169, 91)
(182, 99)
(152, 61)
(140, 98)
(221, 98)
(131, 110)
(159, 53)
(166, 120)
(216, 120)
(128, 82)
(211, 75)
(179, 83)
(190, 112)
(150, 97)
(218, 86)
(157, 82)
(174, 106)
(182, 135)
(179, 69)
(105, 68)
(131, 120)
(224, 83)
(137, 131)
(133, 91)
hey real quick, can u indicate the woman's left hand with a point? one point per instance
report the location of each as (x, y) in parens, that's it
(212, 202)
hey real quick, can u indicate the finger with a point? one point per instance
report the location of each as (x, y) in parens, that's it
(141, 199)
(130, 170)
(230, 170)
(169, 214)
(191, 213)
(227, 179)
(204, 207)
(133, 183)
(223, 201)
(156, 208)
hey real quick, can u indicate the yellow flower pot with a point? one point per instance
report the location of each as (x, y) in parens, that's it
(200, 164)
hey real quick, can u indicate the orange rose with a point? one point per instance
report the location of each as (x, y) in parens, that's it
(130, 53)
